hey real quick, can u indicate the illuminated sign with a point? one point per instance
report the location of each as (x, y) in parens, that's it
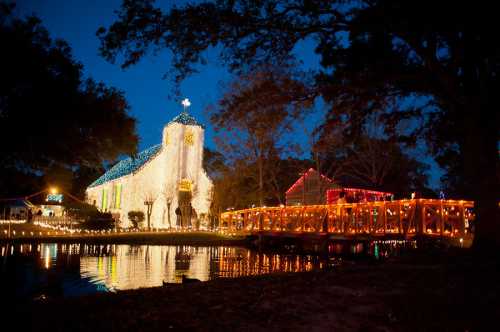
(185, 185)
(54, 198)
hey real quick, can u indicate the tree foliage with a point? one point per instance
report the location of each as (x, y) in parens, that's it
(136, 217)
(52, 120)
(375, 163)
(253, 117)
(376, 56)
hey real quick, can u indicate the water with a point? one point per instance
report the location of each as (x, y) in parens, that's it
(28, 271)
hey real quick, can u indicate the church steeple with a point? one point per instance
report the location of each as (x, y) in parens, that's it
(184, 117)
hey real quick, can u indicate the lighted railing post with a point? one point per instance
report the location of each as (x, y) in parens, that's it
(400, 223)
(356, 217)
(324, 221)
(283, 210)
(343, 226)
(260, 220)
(461, 211)
(370, 218)
(422, 221)
(302, 219)
(441, 217)
(385, 218)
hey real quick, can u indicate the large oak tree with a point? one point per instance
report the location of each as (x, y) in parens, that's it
(54, 124)
(255, 113)
(375, 54)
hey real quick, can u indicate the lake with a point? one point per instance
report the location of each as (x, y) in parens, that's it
(31, 270)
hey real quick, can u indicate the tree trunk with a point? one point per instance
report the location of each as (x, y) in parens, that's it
(320, 184)
(481, 161)
(261, 181)
(168, 213)
(149, 216)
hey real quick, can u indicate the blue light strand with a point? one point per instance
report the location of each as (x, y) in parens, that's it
(128, 166)
(186, 119)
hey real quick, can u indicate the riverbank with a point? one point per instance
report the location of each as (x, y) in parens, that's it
(21, 233)
(417, 292)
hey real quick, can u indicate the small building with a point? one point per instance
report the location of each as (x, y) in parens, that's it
(18, 209)
(313, 188)
(310, 189)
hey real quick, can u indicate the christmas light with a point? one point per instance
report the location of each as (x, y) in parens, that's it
(128, 166)
(186, 119)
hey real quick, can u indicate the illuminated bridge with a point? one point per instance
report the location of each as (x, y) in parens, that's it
(381, 219)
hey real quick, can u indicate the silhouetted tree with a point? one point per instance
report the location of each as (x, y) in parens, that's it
(52, 121)
(255, 113)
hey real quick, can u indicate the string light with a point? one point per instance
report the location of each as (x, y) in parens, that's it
(128, 166)
(301, 179)
(186, 119)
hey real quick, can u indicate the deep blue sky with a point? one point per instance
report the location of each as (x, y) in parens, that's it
(77, 21)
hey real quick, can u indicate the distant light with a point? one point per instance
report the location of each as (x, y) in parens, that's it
(53, 190)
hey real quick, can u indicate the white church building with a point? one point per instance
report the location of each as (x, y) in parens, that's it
(167, 180)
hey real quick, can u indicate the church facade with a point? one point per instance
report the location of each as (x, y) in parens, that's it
(166, 181)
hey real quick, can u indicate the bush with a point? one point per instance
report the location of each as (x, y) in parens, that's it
(81, 211)
(99, 221)
(136, 217)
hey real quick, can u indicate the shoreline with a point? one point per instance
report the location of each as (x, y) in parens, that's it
(138, 238)
(23, 233)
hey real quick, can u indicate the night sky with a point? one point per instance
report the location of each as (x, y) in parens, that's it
(148, 93)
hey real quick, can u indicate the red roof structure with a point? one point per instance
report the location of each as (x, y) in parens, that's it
(309, 189)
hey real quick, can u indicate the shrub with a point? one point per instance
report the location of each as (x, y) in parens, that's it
(136, 217)
(99, 221)
(81, 211)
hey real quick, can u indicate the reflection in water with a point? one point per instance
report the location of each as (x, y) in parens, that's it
(74, 269)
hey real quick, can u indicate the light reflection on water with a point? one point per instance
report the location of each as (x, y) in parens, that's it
(82, 269)
(75, 269)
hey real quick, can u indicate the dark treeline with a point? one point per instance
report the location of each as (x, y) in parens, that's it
(56, 128)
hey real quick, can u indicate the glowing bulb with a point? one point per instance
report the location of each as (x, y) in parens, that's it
(186, 103)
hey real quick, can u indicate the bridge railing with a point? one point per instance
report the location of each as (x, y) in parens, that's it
(432, 217)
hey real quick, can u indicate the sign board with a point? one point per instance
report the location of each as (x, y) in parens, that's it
(54, 198)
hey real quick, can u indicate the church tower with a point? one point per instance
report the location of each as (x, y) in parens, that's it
(186, 183)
